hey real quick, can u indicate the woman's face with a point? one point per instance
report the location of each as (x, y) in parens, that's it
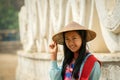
(73, 41)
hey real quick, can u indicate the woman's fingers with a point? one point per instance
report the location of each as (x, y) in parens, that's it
(53, 47)
(55, 44)
(53, 50)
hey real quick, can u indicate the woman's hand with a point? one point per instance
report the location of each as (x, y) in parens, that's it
(53, 48)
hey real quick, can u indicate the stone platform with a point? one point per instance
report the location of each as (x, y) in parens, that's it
(35, 66)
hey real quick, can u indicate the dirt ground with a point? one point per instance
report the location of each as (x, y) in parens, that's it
(8, 64)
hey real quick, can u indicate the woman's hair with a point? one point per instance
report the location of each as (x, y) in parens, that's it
(68, 55)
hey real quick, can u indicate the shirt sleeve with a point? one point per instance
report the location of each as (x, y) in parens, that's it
(96, 71)
(55, 71)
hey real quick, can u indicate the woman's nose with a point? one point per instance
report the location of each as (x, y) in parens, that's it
(71, 42)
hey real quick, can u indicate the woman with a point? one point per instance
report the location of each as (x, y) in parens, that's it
(78, 63)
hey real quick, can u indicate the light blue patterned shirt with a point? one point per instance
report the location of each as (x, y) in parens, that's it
(55, 71)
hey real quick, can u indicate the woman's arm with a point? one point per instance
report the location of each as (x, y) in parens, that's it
(96, 71)
(55, 71)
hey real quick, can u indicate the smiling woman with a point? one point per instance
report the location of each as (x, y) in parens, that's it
(74, 37)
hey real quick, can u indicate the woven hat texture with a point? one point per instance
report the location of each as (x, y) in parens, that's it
(58, 37)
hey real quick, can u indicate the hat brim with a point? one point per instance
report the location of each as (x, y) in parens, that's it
(58, 37)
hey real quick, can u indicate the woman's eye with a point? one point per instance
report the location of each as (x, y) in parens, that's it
(74, 38)
(66, 39)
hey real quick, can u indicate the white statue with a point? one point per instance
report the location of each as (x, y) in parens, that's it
(110, 23)
(40, 19)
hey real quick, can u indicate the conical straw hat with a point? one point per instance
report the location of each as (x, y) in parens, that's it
(58, 37)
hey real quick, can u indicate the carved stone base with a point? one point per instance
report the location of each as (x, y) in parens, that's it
(35, 66)
(110, 66)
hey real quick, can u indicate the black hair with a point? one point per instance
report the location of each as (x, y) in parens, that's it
(68, 55)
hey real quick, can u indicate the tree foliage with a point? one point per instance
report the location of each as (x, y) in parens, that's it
(8, 14)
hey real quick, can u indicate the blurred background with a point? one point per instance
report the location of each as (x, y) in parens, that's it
(9, 37)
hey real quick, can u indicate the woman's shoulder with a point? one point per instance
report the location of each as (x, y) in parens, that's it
(93, 58)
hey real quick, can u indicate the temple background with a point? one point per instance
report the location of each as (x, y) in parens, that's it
(40, 19)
